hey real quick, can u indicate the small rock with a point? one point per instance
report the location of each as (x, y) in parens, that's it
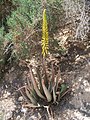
(24, 110)
(20, 99)
(18, 117)
(6, 94)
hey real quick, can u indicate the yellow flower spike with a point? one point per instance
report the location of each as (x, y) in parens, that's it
(44, 35)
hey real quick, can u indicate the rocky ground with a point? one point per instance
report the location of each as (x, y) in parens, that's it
(74, 106)
(78, 106)
(75, 70)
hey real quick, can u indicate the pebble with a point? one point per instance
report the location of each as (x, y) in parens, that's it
(24, 110)
(20, 99)
(18, 117)
(6, 94)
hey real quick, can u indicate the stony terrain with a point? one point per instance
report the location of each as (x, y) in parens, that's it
(74, 106)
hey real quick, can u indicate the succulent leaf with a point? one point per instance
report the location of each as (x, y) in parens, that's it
(63, 88)
(54, 94)
(52, 80)
(62, 91)
(40, 80)
(46, 91)
(53, 74)
(35, 85)
(30, 97)
(24, 96)
(50, 86)
(58, 79)
(33, 93)
(31, 105)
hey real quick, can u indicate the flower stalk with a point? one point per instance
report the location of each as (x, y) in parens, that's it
(44, 35)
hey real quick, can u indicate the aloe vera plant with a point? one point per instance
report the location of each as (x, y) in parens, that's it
(44, 90)
(38, 94)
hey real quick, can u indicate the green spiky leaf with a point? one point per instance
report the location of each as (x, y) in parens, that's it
(63, 88)
(46, 91)
(35, 85)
